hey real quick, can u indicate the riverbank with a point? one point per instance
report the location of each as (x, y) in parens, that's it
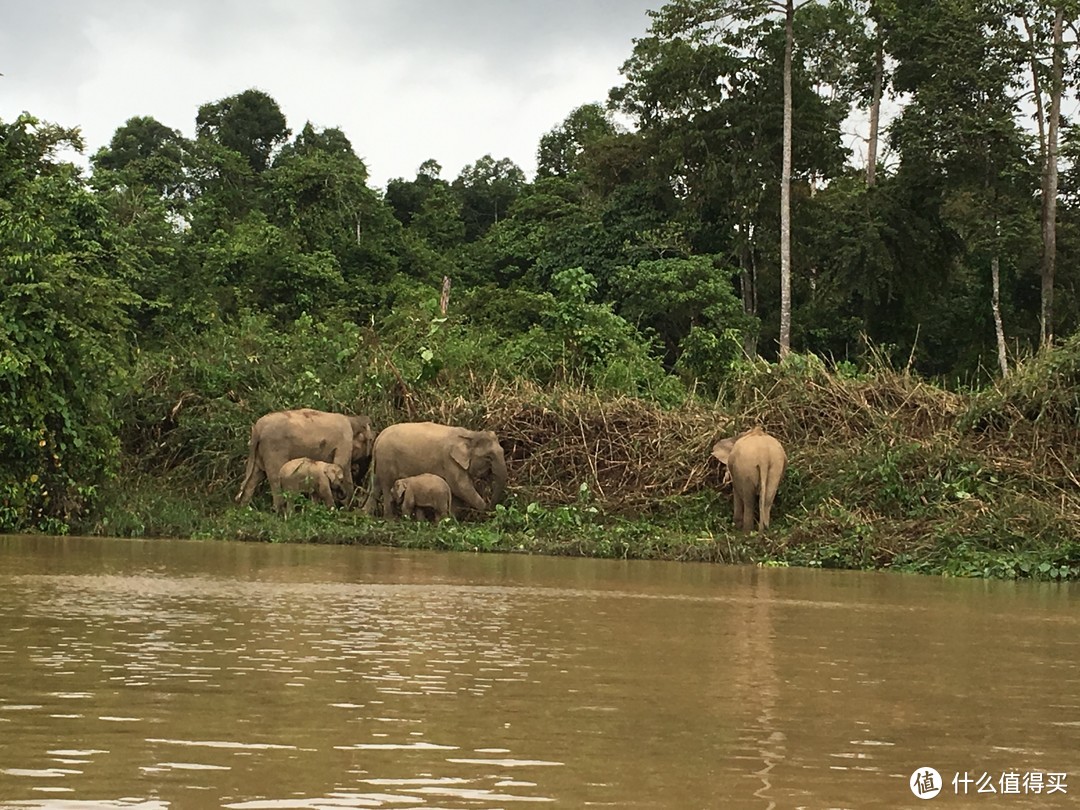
(885, 472)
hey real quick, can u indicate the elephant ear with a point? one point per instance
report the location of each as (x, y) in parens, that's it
(459, 452)
(722, 450)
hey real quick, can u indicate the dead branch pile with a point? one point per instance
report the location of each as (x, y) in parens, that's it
(632, 453)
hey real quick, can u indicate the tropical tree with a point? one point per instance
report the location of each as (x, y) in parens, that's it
(1048, 53)
(487, 189)
(959, 133)
(560, 150)
(250, 123)
(64, 339)
(705, 86)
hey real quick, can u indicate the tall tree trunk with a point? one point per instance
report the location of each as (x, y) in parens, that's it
(1050, 183)
(748, 283)
(1036, 91)
(875, 110)
(995, 305)
(785, 189)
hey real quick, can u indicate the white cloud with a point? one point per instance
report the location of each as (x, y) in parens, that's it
(406, 80)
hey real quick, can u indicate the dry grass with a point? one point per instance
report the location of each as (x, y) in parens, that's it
(842, 432)
(629, 452)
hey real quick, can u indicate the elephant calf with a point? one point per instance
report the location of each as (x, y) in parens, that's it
(312, 478)
(755, 463)
(428, 492)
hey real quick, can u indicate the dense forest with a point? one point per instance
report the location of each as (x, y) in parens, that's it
(703, 222)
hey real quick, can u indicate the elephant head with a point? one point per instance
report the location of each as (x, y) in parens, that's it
(397, 494)
(363, 437)
(336, 476)
(481, 456)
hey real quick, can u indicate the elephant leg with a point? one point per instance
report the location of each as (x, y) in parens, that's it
(371, 502)
(441, 510)
(764, 508)
(744, 506)
(408, 504)
(387, 503)
(325, 493)
(275, 491)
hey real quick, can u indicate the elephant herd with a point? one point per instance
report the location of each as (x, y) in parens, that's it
(431, 469)
(414, 465)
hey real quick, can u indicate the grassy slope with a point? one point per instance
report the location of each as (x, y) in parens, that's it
(885, 471)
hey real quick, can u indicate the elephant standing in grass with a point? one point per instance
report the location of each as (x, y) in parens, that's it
(313, 478)
(755, 462)
(427, 492)
(305, 433)
(463, 458)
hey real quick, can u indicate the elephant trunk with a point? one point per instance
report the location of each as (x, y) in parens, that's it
(498, 480)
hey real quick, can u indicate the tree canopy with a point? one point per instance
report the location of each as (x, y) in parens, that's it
(652, 229)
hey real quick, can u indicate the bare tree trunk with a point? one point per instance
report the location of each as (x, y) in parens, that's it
(748, 283)
(1036, 91)
(785, 189)
(995, 305)
(875, 111)
(1050, 183)
(444, 298)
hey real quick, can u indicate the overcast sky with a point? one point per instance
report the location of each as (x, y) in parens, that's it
(406, 80)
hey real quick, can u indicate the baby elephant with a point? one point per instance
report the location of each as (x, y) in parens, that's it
(317, 479)
(755, 462)
(428, 492)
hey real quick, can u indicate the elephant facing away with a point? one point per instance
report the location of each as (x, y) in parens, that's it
(755, 462)
(317, 479)
(427, 492)
(305, 433)
(461, 457)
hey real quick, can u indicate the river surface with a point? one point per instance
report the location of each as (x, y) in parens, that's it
(185, 674)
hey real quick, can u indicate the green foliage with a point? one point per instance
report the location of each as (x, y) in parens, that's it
(487, 189)
(259, 265)
(192, 401)
(250, 124)
(1043, 390)
(691, 305)
(560, 150)
(578, 339)
(146, 153)
(63, 334)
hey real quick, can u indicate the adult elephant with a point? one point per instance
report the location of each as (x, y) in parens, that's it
(756, 462)
(304, 433)
(462, 457)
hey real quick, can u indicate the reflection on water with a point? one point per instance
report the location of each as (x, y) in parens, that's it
(169, 674)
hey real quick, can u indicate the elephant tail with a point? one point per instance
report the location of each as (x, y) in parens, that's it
(249, 471)
(768, 485)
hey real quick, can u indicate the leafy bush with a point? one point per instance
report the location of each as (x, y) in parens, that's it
(63, 335)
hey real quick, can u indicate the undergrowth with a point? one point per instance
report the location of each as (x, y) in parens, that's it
(885, 471)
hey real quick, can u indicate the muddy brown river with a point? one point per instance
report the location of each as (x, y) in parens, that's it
(185, 674)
